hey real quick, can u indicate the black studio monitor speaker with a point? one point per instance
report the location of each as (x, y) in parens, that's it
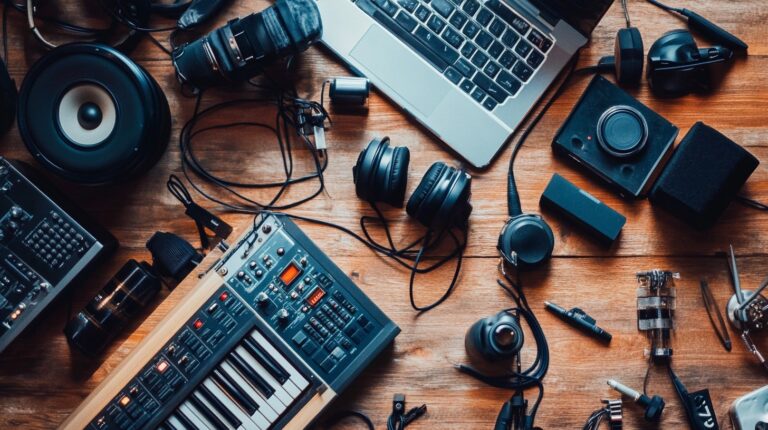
(90, 114)
(704, 175)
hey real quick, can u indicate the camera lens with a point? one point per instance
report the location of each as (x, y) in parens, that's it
(622, 131)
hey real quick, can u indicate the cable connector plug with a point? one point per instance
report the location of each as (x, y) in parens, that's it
(415, 413)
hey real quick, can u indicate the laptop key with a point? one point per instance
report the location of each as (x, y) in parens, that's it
(422, 13)
(453, 75)
(443, 7)
(409, 5)
(497, 27)
(496, 49)
(453, 37)
(490, 87)
(535, 59)
(522, 71)
(484, 39)
(479, 59)
(458, 19)
(508, 82)
(445, 52)
(468, 49)
(406, 21)
(436, 24)
(540, 41)
(490, 103)
(464, 67)
(507, 60)
(425, 49)
(523, 48)
(484, 16)
(467, 86)
(471, 29)
(478, 94)
(510, 38)
(471, 7)
(387, 6)
(492, 69)
(508, 15)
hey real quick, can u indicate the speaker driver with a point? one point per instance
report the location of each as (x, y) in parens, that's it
(91, 115)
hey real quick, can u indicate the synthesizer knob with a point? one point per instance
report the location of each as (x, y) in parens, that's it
(303, 261)
(16, 212)
(12, 226)
(283, 315)
(262, 299)
(280, 251)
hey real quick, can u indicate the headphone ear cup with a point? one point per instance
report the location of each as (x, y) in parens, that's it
(425, 187)
(629, 56)
(398, 176)
(365, 168)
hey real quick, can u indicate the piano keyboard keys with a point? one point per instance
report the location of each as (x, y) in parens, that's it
(271, 409)
(217, 404)
(286, 393)
(255, 421)
(246, 370)
(207, 412)
(230, 387)
(271, 365)
(278, 358)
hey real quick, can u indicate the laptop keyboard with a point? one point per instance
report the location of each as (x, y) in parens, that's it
(484, 48)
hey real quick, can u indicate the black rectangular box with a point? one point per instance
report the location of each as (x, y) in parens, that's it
(583, 208)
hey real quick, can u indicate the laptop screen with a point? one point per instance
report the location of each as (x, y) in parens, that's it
(583, 15)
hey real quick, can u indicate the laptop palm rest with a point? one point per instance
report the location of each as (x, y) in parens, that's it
(406, 74)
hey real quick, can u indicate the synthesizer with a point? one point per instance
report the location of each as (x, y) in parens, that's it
(45, 244)
(266, 339)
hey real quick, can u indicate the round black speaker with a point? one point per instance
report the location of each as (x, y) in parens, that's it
(91, 115)
(622, 131)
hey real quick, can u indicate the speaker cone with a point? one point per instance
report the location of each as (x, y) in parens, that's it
(91, 115)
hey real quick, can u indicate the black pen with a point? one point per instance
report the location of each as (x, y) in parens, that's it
(579, 319)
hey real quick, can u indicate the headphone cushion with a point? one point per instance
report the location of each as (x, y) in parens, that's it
(629, 56)
(424, 188)
(398, 176)
(526, 240)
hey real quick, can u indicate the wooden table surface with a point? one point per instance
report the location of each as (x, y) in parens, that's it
(42, 380)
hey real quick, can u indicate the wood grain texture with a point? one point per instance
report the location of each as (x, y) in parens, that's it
(42, 380)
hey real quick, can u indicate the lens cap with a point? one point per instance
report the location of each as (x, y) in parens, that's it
(622, 131)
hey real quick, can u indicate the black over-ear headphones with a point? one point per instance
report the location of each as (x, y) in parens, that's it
(526, 239)
(441, 199)
(676, 65)
(628, 58)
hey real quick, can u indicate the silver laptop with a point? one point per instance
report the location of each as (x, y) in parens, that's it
(468, 70)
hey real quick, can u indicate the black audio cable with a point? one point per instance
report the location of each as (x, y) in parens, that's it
(514, 413)
(290, 111)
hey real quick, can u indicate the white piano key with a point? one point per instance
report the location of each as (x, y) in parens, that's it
(186, 409)
(212, 410)
(280, 392)
(257, 421)
(265, 407)
(175, 423)
(296, 377)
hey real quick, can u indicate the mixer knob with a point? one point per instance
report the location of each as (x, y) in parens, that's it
(13, 226)
(262, 299)
(16, 212)
(280, 251)
(283, 315)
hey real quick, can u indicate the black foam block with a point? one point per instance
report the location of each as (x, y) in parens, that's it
(703, 176)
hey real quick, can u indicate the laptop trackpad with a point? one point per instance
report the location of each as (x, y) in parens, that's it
(401, 69)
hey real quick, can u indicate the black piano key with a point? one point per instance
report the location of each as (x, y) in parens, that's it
(230, 387)
(251, 375)
(273, 367)
(216, 403)
(188, 424)
(168, 426)
(210, 416)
